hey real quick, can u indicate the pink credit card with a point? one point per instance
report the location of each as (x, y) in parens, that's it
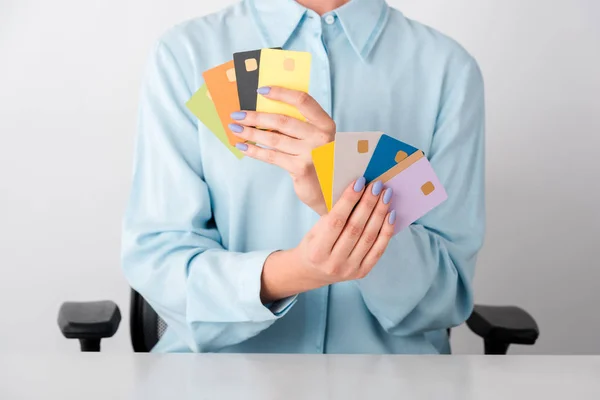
(417, 190)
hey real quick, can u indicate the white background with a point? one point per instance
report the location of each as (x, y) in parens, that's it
(69, 77)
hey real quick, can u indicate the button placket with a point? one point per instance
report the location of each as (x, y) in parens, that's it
(327, 86)
(322, 71)
(320, 62)
(326, 71)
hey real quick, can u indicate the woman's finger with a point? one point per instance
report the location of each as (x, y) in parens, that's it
(385, 234)
(357, 222)
(282, 123)
(336, 219)
(283, 160)
(274, 140)
(304, 102)
(371, 231)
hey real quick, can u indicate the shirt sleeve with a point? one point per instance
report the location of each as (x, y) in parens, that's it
(172, 253)
(423, 281)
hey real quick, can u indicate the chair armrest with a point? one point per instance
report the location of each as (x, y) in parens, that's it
(503, 324)
(89, 322)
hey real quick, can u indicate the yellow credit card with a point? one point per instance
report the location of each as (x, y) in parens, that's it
(284, 68)
(323, 161)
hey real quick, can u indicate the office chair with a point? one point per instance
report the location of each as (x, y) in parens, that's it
(90, 322)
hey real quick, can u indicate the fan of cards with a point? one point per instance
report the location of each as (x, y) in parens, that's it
(376, 156)
(232, 86)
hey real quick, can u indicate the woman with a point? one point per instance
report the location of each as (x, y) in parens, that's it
(242, 256)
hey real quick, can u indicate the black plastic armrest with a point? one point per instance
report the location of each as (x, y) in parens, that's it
(501, 326)
(90, 322)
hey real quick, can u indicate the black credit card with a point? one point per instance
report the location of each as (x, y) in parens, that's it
(247, 65)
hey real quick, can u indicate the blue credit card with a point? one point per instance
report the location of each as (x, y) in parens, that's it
(387, 154)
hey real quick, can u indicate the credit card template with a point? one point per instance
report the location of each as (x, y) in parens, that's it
(222, 85)
(285, 68)
(247, 65)
(202, 106)
(323, 161)
(387, 154)
(417, 190)
(353, 151)
(401, 166)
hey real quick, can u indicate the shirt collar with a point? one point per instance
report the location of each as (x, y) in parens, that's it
(276, 19)
(362, 21)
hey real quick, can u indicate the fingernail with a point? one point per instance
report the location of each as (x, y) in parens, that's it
(241, 146)
(263, 90)
(360, 184)
(387, 196)
(392, 217)
(377, 188)
(236, 128)
(238, 115)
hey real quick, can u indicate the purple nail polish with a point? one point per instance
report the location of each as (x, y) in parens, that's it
(392, 217)
(236, 128)
(360, 184)
(263, 90)
(238, 115)
(387, 195)
(241, 146)
(377, 187)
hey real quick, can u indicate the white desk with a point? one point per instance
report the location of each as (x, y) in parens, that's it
(283, 377)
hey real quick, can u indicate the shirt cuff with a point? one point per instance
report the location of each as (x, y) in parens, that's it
(280, 307)
(249, 284)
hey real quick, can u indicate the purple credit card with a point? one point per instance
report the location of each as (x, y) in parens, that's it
(417, 190)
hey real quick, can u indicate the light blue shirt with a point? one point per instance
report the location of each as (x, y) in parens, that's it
(200, 223)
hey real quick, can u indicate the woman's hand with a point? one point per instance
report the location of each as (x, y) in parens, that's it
(347, 243)
(290, 140)
(344, 244)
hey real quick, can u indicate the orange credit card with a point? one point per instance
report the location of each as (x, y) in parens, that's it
(222, 85)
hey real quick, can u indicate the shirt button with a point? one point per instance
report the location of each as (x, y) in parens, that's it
(329, 19)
